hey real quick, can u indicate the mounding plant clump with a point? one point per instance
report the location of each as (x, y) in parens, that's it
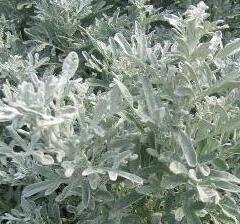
(132, 117)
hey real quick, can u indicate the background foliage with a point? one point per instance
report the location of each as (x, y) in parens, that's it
(119, 112)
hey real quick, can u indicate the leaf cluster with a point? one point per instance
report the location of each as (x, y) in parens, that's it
(117, 114)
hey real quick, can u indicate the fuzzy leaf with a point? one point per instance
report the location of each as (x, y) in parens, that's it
(178, 168)
(230, 49)
(224, 176)
(125, 92)
(227, 186)
(35, 188)
(70, 65)
(121, 40)
(86, 193)
(187, 148)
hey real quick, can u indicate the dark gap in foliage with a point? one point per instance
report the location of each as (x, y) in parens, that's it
(193, 110)
(18, 149)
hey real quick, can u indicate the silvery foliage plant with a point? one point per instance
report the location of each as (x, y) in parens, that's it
(157, 142)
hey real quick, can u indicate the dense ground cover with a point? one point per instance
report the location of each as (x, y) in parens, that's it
(119, 112)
